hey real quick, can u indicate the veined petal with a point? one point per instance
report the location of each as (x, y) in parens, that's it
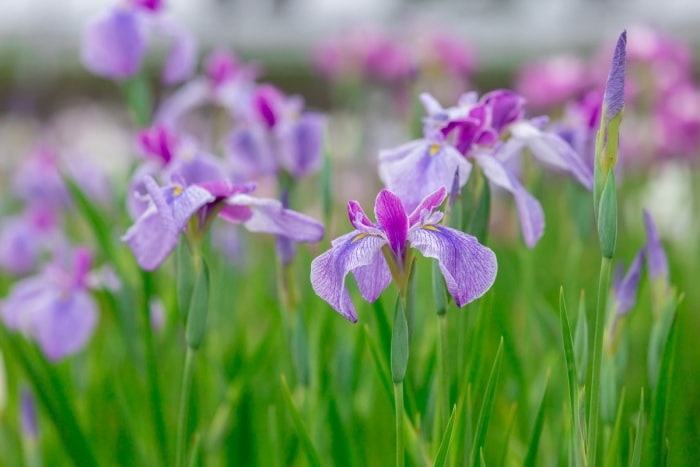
(187, 202)
(359, 219)
(469, 268)
(614, 98)
(419, 168)
(349, 252)
(429, 204)
(551, 149)
(391, 216)
(113, 44)
(152, 238)
(269, 216)
(529, 209)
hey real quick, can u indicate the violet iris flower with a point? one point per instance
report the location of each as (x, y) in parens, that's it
(277, 136)
(114, 43)
(553, 81)
(488, 131)
(54, 307)
(155, 234)
(468, 267)
(226, 83)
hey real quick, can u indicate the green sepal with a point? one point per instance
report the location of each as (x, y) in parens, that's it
(607, 218)
(199, 307)
(399, 344)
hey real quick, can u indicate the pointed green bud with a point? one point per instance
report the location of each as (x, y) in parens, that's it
(607, 218)
(399, 344)
(199, 307)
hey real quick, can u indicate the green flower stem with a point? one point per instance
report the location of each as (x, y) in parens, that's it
(184, 406)
(400, 443)
(594, 407)
(444, 392)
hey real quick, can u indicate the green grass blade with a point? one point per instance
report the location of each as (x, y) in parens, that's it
(615, 447)
(379, 365)
(571, 376)
(531, 456)
(654, 449)
(639, 435)
(446, 442)
(482, 423)
(302, 432)
(506, 436)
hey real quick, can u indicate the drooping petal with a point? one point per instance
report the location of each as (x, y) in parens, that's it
(113, 44)
(182, 57)
(66, 326)
(429, 204)
(416, 169)
(187, 98)
(658, 263)
(391, 216)
(349, 252)
(551, 149)
(469, 268)
(24, 299)
(529, 209)
(152, 238)
(614, 98)
(269, 216)
(301, 144)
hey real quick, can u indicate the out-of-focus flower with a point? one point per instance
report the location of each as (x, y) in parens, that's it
(488, 131)
(624, 289)
(25, 238)
(114, 43)
(54, 307)
(226, 83)
(277, 136)
(155, 234)
(677, 122)
(374, 252)
(552, 81)
(38, 180)
(658, 263)
(28, 414)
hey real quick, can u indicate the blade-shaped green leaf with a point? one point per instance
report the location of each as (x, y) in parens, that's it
(639, 435)
(379, 365)
(615, 446)
(482, 424)
(531, 456)
(302, 432)
(446, 442)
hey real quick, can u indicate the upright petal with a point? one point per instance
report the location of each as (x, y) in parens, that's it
(301, 144)
(626, 290)
(269, 216)
(551, 149)
(614, 98)
(529, 209)
(391, 216)
(359, 219)
(113, 45)
(349, 252)
(429, 204)
(251, 153)
(469, 268)
(658, 263)
(416, 169)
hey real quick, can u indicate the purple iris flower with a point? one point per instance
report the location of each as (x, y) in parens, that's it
(468, 267)
(155, 234)
(226, 83)
(657, 261)
(114, 43)
(625, 292)
(54, 307)
(278, 135)
(553, 81)
(488, 131)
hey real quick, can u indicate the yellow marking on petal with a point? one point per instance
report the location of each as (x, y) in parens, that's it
(360, 236)
(177, 190)
(431, 227)
(434, 148)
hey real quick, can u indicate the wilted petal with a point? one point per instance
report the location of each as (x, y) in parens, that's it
(614, 98)
(416, 169)
(301, 144)
(65, 327)
(391, 216)
(350, 252)
(551, 149)
(469, 268)
(658, 263)
(113, 45)
(269, 216)
(529, 209)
